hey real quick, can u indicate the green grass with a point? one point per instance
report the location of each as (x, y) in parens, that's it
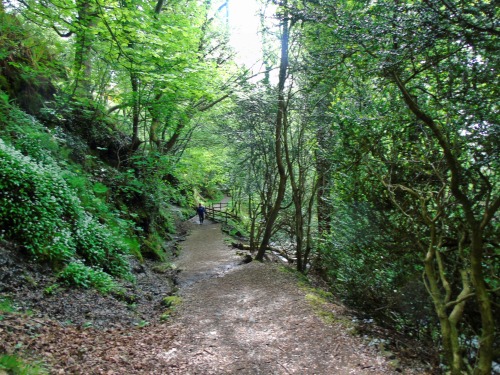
(6, 305)
(15, 365)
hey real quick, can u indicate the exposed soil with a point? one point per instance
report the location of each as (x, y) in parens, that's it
(235, 318)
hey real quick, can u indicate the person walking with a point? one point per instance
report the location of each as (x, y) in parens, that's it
(201, 213)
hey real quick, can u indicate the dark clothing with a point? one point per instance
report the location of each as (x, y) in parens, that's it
(201, 213)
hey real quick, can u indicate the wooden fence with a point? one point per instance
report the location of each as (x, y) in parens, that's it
(218, 212)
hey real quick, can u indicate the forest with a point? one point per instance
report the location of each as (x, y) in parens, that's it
(364, 146)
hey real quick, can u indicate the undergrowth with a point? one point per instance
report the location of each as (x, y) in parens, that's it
(6, 306)
(171, 303)
(53, 218)
(64, 204)
(12, 364)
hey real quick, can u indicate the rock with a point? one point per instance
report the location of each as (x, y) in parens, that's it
(246, 259)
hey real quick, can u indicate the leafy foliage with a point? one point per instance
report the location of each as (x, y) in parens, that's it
(41, 210)
(405, 144)
(36, 206)
(77, 273)
(27, 61)
(358, 256)
(386, 125)
(6, 305)
(15, 365)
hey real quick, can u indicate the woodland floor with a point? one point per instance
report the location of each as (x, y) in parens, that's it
(234, 319)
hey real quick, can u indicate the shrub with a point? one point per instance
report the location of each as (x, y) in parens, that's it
(41, 209)
(29, 137)
(77, 273)
(172, 301)
(36, 206)
(6, 305)
(97, 245)
(373, 271)
(12, 364)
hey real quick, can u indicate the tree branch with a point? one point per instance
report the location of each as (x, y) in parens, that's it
(460, 300)
(451, 161)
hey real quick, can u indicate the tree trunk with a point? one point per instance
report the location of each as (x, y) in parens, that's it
(323, 192)
(134, 80)
(309, 239)
(83, 48)
(155, 122)
(278, 141)
(438, 299)
(323, 208)
(485, 353)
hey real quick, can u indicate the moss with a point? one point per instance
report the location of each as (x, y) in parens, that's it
(302, 279)
(319, 300)
(172, 301)
(164, 267)
(320, 307)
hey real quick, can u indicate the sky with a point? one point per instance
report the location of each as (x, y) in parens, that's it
(245, 36)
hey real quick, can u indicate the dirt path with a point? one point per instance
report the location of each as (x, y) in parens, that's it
(253, 319)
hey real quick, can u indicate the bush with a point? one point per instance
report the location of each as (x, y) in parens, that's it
(36, 207)
(52, 211)
(97, 245)
(12, 364)
(77, 273)
(64, 212)
(373, 271)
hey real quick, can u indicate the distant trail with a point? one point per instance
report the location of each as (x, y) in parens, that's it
(253, 319)
(204, 254)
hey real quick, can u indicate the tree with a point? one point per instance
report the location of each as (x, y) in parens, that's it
(286, 25)
(248, 127)
(438, 58)
(299, 138)
(68, 18)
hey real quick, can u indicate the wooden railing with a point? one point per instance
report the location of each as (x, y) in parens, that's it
(218, 212)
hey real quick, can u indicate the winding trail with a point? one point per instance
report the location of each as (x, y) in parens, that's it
(254, 319)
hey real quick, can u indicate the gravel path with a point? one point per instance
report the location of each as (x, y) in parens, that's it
(254, 319)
